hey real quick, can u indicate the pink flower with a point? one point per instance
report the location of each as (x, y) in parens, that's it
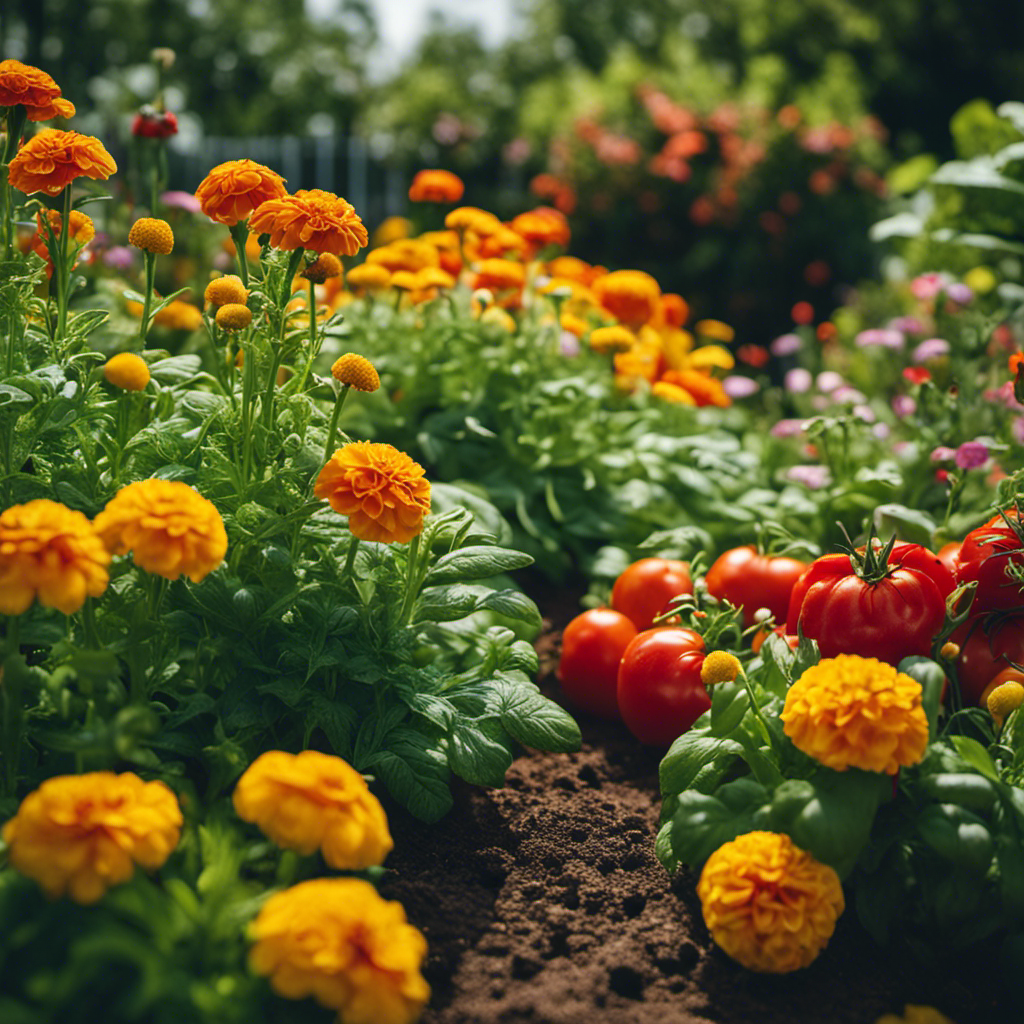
(927, 286)
(738, 386)
(828, 381)
(942, 454)
(812, 477)
(971, 454)
(880, 336)
(798, 380)
(932, 348)
(786, 345)
(787, 428)
(904, 406)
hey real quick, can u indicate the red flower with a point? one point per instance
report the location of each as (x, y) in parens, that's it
(802, 313)
(916, 374)
(150, 123)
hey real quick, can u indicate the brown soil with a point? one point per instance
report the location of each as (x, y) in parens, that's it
(544, 902)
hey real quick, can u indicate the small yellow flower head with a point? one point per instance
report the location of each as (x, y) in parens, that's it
(673, 393)
(152, 235)
(711, 357)
(720, 667)
(915, 1015)
(981, 280)
(434, 277)
(768, 904)
(357, 371)
(337, 940)
(854, 712)
(714, 329)
(126, 370)
(233, 316)
(178, 315)
(82, 834)
(368, 277)
(612, 339)
(324, 266)
(49, 553)
(224, 290)
(950, 651)
(471, 218)
(168, 527)
(404, 280)
(1005, 698)
(500, 318)
(312, 801)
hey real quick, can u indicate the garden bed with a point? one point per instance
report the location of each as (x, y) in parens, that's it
(543, 901)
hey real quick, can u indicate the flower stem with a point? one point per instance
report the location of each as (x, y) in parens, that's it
(332, 429)
(61, 265)
(412, 581)
(150, 276)
(240, 235)
(10, 706)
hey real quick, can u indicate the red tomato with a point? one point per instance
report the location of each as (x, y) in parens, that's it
(647, 586)
(592, 646)
(659, 689)
(949, 556)
(984, 653)
(752, 581)
(984, 556)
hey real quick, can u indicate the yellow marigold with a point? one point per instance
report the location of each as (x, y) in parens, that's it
(81, 229)
(500, 275)
(381, 490)
(50, 553)
(356, 371)
(768, 904)
(631, 296)
(391, 229)
(434, 277)
(471, 218)
(1004, 699)
(325, 266)
(232, 190)
(498, 316)
(720, 667)
(311, 219)
(639, 363)
(406, 254)
(854, 712)
(152, 235)
(674, 310)
(312, 801)
(676, 344)
(915, 1015)
(541, 227)
(571, 268)
(179, 316)
(668, 392)
(368, 277)
(82, 834)
(222, 291)
(711, 357)
(502, 242)
(612, 339)
(25, 85)
(404, 280)
(168, 527)
(126, 370)
(575, 325)
(714, 329)
(233, 316)
(436, 187)
(52, 159)
(337, 940)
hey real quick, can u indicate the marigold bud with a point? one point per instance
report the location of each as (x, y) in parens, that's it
(720, 667)
(233, 316)
(324, 266)
(127, 370)
(1004, 699)
(356, 371)
(950, 650)
(612, 339)
(227, 289)
(152, 235)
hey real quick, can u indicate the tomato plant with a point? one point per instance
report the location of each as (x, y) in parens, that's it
(751, 581)
(984, 557)
(645, 588)
(659, 689)
(988, 645)
(592, 647)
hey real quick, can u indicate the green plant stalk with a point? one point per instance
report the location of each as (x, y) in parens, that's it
(240, 235)
(248, 387)
(150, 276)
(10, 708)
(92, 633)
(267, 411)
(312, 323)
(15, 124)
(332, 428)
(62, 267)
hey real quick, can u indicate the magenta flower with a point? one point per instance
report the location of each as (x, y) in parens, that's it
(847, 395)
(959, 293)
(1017, 429)
(908, 324)
(181, 201)
(738, 386)
(932, 348)
(786, 345)
(927, 286)
(904, 406)
(971, 455)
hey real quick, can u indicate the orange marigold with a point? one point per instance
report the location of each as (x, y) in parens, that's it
(312, 801)
(179, 316)
(59, 107)
(854, 712)
(612, 339)
(674, 309)
(337, 940)
(631, 296)
(168, 527)
(311, 219)
(768, 904)
(49, 553)
(81, 230)
(471, 218)
(436, 187)
(25, 85)
(227, 289)
(500, 275)
(381, 490)
(368, 277)
(502, 242)
(714, 329)
(572, 268)
(52, 159)
(232, 190)
(915, 1014)
(127, 371)
(410, 254)
(541, 227)
(705, 390)
(357, 371)
(672, 393)
(82, 834)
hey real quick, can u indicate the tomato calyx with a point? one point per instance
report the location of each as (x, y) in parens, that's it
(871, 563)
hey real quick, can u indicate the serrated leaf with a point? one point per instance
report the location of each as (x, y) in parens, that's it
(534, 720)
(415, 773)
(476, 752)
(476, 563)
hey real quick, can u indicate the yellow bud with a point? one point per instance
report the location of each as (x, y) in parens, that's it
(356, 371)
(720, 667)
(1004, 699)
(950, 650)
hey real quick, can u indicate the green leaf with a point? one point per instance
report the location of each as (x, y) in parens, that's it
(908, 524)
(476, 563)
(448, 603)
(690, 753)
(476, 751)
(534, 720)
(976, 756)
(977, 173)
(415, 773)
(956, 835)
(729, 704)
(10, 395)
(701, 823)
(513, 604)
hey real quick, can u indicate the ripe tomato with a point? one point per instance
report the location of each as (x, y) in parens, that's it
(592, 647)
(889, 619)
(984, 556)
(659, 689)
(949, 556)
(752, 581)
(984, 653)
(646, 587)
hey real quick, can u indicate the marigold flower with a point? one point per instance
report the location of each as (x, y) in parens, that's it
(674, 309)
(178, 316)
(434, 277)
(668, 392)
(409, 254)
(168, 527)
(356, 371)
(575, 325)
(81, 229)
(82, 834)
(915, 1015)
(151, 234)
(404, 281)
(127, 371)
(768, 904)
(381, 490)
(368, 277)
(52, 159)
(312, 801)
(1003, 700)
(49, 553)
(612, 339)
(720, 667)
(436, 187)
(711, 357)
(311, 219)
(59, 107)
(854, 712)
(500, 275)
(325, 266)
(541, 227)
(471, 218)
(714, 329)
(25, 85)
(233, 316)
(337, 940)
(640, 363)
(501, 243)
(232, 190)
(573, 269)
(631, 296)
(391, 229)
(704, 389)
(222, 291)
